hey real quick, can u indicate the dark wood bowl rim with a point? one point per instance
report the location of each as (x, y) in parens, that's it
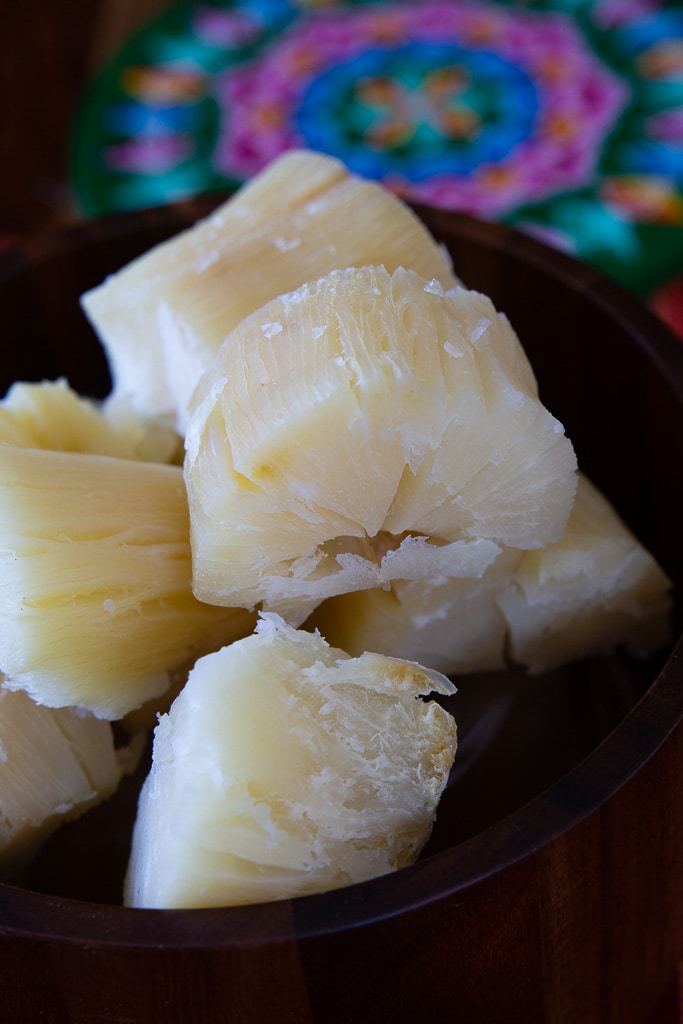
(564, 804)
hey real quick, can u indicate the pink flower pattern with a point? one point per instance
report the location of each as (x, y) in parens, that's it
(579, 98)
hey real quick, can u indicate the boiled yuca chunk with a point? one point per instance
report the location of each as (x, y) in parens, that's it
(152, 440)
(585, 594)
(592, 590)
(364, 429)
(96, 604)
(162, 318)
(51, 416)
(54, 765)
(285, 767)
(451, 625)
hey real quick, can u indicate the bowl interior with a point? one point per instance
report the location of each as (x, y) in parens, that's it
(606, 369)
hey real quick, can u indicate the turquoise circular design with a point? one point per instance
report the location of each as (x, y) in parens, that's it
(563, 117)
(451, 110)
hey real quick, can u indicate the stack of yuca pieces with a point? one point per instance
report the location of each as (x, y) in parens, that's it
(365, 453)
(99, 618)
(96, 606)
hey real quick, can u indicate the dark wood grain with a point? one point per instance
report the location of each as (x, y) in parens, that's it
(551, 889)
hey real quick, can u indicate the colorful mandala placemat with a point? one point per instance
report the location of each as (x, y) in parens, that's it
(564, 118)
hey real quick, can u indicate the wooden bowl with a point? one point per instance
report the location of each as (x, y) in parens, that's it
(550, 889)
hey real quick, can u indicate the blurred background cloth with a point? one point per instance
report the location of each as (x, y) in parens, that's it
(561, 117)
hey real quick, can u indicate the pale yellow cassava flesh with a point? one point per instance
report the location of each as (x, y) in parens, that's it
(52, 417)
(592, 590)
(162, 318)
(367, 428)
(585, 594)
(96, 605)
(54, 765)
(451, 625)
(285, 768)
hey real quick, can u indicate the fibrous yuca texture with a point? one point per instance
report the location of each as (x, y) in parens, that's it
(152, 441)
(451, 625)
(285, 768)
(368, 428)
(54, 765)
(163, 317)
(52, 417)
(96, 605)
(585, 594)
(594, 589)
